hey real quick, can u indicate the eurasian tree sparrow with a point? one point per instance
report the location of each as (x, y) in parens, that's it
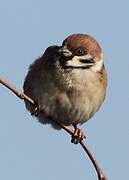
(68, 82)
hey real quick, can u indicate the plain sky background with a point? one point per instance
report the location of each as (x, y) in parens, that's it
(31, 151)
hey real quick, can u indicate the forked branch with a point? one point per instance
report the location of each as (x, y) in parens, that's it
(101, 175)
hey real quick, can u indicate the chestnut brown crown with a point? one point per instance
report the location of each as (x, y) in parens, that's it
(82, 43)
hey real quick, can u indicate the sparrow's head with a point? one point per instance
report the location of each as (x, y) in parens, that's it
(81, 51)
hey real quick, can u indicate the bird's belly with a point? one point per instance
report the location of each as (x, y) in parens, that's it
(73, 109)
(77, 110)
(67, 108)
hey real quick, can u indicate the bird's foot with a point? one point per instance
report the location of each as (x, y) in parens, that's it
(77, 136)
(36, 109)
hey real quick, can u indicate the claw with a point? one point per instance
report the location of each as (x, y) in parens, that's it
(36, 109)
(77, 136)
(74, 140)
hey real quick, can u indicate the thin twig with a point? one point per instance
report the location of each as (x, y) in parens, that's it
(101, 175)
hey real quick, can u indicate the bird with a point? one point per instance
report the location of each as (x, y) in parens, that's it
(68, 83)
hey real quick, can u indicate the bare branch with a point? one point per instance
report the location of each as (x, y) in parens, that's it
(101, 175)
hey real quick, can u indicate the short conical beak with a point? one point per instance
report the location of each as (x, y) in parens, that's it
(64, 51)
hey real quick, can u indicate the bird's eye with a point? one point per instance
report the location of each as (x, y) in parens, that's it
(79, 52)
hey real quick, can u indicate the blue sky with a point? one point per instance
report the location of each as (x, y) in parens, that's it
(32, 151)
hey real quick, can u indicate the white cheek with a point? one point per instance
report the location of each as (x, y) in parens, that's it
(98, 65)
(74, 62)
